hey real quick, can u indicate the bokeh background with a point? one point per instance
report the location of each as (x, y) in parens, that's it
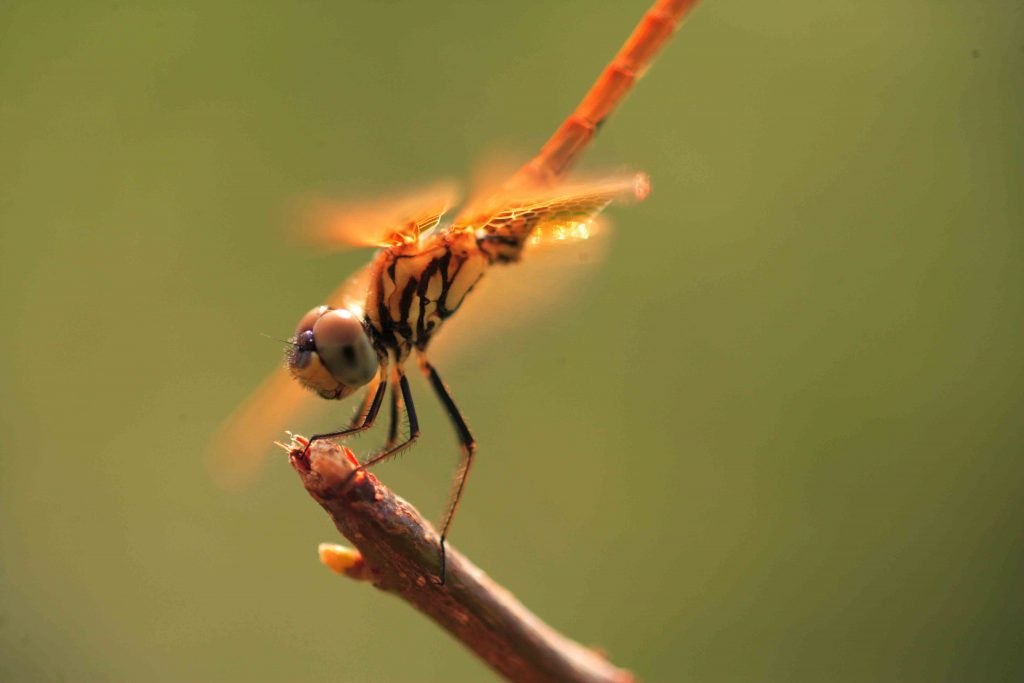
(778, 437)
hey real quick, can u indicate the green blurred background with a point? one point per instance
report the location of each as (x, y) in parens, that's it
(779, 438)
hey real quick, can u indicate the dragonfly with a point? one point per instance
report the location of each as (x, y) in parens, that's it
(365, 333)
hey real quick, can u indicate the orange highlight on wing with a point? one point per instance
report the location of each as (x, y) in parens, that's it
(380, 222)
(246, 437)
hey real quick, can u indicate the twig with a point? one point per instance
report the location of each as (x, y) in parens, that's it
(398, 552)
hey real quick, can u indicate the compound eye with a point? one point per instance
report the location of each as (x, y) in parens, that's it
(308, 320)
(344, 347)
(304, 341)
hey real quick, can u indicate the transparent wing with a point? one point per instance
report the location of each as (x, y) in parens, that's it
(533, 212)
(486, 179)
(243, 441)
(352, 292)
(375, 223)
(241, 444)
(567, 241)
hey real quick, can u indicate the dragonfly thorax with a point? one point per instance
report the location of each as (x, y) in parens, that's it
(416, 287)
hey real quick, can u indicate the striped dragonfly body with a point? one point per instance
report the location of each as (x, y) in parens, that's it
(424, 272)
(415, 287)
(419, 283)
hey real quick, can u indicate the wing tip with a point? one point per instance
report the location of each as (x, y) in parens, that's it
(641, 186)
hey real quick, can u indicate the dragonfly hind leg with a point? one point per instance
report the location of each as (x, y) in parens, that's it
(468, 444)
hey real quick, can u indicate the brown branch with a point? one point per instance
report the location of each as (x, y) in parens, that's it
(399, 553)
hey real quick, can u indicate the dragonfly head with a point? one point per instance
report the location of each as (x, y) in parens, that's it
(331, 352)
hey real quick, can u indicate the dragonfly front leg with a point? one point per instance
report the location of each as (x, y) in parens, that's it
(414, 424)
(371, 393)
(364, 419)
(468, 444)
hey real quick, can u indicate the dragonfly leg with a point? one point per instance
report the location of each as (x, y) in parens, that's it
(396, 407)
(414, 426)
(371, 393)
(468, 444)
(364, 419)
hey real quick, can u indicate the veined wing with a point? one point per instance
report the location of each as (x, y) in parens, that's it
(530, 214)
(380, 222)
(247, 436)
(567, 243)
